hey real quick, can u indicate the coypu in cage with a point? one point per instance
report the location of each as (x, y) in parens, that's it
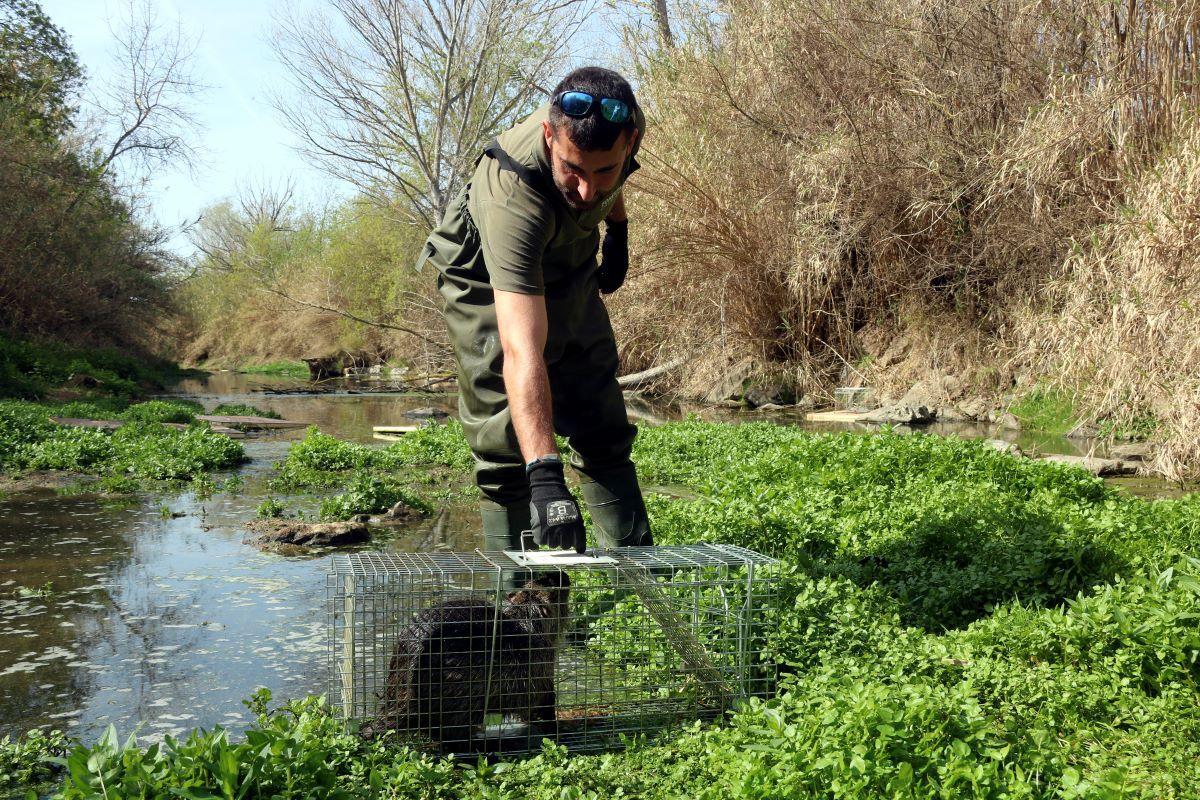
(463, 658)
(440, 649)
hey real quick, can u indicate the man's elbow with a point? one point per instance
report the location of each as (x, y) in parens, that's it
(521, 355)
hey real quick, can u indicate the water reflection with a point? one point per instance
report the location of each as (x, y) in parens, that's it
(346, 409)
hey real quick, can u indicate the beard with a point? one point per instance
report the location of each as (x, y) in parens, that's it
(572, 198)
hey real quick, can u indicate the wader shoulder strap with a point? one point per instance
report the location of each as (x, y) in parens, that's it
(530, 177)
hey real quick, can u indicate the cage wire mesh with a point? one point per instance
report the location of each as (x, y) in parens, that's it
(486, 652)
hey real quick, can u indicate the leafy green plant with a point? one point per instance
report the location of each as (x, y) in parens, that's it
(1139, 428)
(137, 450)
(29, 369)
(368, 494)
(24, 762)
(233, 484)
(951, 622)
(270, 509)
(203, 486)
(46, 590)
(244, 410)
(1046, 410)
(163, 411)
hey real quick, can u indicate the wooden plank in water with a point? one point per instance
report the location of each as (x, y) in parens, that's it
(394, 430)
(232, 433)
(838, 415)
(113, 424)
(251, 422)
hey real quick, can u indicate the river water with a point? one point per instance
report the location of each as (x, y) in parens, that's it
(151, 614)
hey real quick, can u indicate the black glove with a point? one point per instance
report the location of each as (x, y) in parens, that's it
(614, 256)
(554, 515)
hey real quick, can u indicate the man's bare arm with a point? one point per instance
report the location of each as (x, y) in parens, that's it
(521, 319)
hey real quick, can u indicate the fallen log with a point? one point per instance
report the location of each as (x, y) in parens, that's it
(1102, 467)
(637, 378)
(836, 415)
(251, 422)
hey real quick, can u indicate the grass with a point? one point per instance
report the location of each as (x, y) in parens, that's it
(1046, 410)
(293, 369)
(31, 370)
(954, 622)
(1137, 428)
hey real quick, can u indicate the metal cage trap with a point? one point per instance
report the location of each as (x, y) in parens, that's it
(492, 652)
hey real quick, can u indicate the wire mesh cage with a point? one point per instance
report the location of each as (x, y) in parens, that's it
(487, 652)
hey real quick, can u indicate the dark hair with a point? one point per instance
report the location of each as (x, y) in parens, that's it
(593, 132)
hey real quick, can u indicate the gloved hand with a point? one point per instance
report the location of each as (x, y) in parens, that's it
(554, 515)
(614, 256)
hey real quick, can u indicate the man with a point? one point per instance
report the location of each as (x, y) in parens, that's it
(516, 256)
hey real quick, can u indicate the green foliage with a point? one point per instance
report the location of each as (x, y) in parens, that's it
(183, 411)
(29, 369)
(243, 410)
(138, 450)
(270, 509)
(368, 494)
(952, 622)
(373, 479)
(949, 527)
(158, 453)
(78, 449)
(1046, 410)
(1139, 428)
(23, 762)
(320, 461)
(295, 369)
(311, 461)
(356, 247)
(39, 72)
(21, 425)
(99, 408)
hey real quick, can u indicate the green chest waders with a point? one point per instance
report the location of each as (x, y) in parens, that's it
(581, 359)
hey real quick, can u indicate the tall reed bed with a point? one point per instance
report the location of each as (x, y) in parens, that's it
(1008, 184)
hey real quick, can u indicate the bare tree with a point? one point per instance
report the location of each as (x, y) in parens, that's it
(223, 232)
(399, 97)
(662, 23)
(144, 112)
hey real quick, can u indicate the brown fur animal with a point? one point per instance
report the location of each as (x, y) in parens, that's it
(438, 680)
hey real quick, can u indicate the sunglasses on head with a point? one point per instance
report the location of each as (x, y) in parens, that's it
(579, 104)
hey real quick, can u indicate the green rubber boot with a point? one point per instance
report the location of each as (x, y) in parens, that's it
(615, 502)
(502, 525)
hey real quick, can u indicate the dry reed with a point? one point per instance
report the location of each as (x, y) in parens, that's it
(981, 178)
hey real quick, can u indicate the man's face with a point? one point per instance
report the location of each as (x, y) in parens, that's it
(585, 177)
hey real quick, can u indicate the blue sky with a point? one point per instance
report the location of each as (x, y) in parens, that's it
(242, 139)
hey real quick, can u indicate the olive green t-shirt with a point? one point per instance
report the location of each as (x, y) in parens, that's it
(532, 240)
